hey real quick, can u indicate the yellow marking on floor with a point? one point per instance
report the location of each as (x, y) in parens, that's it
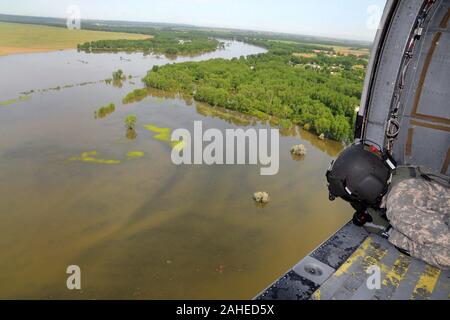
(316, 295)
(395, 275)
(358, 254)
(369, 253)
(427, 281)
(373, 257)
(398, 272)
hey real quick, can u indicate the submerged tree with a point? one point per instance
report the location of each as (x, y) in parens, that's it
(130, 122)
(130, 125)
(118, 75)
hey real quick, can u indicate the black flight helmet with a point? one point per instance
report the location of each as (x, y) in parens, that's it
(360, 175)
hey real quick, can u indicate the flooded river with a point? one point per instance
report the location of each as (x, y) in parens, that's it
(76, 189)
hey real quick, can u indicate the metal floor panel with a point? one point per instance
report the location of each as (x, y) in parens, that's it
(306, 277)
(402, 277)
(345, 259)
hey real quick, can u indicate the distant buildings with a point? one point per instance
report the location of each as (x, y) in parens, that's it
(181, 41)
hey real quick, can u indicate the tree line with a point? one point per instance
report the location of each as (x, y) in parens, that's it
(169, 43)
(274, 84)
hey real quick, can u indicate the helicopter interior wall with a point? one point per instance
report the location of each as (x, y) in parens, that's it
(386, 71)
(424, 115)
(424, 137)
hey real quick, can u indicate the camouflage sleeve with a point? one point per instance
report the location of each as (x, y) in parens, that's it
(432, 254)
(420, 210)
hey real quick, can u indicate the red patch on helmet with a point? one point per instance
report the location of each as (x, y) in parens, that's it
(375, 150)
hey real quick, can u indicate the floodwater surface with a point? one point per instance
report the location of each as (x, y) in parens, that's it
(78, 188)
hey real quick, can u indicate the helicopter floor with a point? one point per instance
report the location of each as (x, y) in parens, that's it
(338, 270)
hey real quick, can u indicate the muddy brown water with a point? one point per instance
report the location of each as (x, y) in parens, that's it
(138, 226)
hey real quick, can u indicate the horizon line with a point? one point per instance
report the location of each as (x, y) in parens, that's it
(331, 38)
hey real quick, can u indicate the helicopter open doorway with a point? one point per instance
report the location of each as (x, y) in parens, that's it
(405, 109)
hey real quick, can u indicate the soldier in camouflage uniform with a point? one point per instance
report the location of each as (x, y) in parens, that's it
(419, 212)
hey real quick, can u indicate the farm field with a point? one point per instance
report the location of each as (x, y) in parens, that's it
(27, 38)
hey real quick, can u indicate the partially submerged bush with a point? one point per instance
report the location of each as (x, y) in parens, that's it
(130, 122)
(105, 110)
(261, 197)
(118, 75)
(135, 96)
(298, 150)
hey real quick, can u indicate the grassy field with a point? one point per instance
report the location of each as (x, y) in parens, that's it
(359, 52)
(27, 38)
(305, 55)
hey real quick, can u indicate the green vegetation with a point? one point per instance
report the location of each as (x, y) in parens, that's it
(130, 125)
(14, 101)
(130, 122)
(135, 96)
(319, 92)
(227, 115)
(118, 75)
(169, 43)
(91, 156)
(164, 134)
(105, 111)
(135, 154)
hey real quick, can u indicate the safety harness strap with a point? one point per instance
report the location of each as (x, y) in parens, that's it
(406, 172)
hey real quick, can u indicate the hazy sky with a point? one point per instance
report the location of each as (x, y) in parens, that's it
(352, 19)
